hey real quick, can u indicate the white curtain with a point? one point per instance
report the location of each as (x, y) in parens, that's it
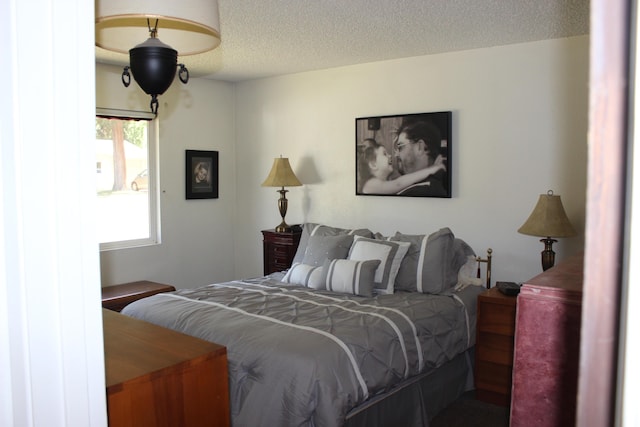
(51, 351)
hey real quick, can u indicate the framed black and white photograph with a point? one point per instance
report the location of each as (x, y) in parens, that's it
(404, 155)
(201, 174)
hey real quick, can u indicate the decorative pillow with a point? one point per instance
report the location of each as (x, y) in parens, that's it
(390, 255)
(431, 265)
(322, 248)
(462, 252)
(351, 277)
(312, 229)
(467, 274)
(305, 275)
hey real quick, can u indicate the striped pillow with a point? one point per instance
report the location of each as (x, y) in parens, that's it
(305, 275)
(432, 262)
(390, 255)
(350, 277)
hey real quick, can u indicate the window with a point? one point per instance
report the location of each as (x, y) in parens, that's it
(126, 184)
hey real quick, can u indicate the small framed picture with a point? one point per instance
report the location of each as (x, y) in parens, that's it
(201, 174)
(404, 155)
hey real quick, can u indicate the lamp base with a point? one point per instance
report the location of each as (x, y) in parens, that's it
(283, 228)
(282, 207)
(548, 255)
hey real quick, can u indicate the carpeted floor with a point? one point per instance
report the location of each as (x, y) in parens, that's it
(468, 412)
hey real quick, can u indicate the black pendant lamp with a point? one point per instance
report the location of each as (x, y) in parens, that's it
(153, 65)
(191, 26)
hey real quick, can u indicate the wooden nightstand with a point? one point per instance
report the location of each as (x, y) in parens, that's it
(494, 346)
(279, 249)
(117, 297)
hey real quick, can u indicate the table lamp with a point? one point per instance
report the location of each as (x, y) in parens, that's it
(282, 176)
(548, 220)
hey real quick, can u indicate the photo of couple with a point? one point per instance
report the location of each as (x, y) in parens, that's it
(404, 155)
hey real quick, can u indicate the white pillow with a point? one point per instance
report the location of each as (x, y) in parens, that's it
(390, 255)
(305, 275)
(350, 277)
(467, 274)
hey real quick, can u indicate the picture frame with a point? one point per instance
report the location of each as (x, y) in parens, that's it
(404, 155)
(201, 175)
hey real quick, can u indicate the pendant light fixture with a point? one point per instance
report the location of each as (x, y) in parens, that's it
(187, 27)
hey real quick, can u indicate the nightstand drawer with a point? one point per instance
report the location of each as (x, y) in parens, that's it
(499, 321)
(493, 383)
(496, 348)
(279, 249)
(282, 239)
(493, 377)
(281, 265)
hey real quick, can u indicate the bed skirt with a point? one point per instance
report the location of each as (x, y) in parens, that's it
(418, 400)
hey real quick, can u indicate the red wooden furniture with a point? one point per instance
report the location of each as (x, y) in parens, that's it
(547, 347)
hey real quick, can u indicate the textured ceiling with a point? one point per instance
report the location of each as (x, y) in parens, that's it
(263, 38)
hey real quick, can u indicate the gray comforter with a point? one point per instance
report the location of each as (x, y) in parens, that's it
(303, 357)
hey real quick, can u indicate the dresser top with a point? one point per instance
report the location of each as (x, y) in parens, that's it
(134, 348)
(564, 279)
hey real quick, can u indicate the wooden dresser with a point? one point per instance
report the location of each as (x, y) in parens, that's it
(547, 347)
(279, 248)
(157, 377)
(118, 297)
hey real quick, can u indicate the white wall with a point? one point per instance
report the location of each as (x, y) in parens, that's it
(519, 129)
(197, 235)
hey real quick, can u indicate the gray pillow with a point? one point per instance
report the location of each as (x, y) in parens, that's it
(462, 252)
(431, 264)
(312, 229)
(322, 248)
(390, 255)
(350, 277)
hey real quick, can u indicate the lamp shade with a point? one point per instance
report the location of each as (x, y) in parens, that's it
(188, 26)
(548, 219)
(281, 175)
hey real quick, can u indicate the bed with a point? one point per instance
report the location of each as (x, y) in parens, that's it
(361, 330)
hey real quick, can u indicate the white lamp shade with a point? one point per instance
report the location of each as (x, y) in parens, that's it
(188, 26)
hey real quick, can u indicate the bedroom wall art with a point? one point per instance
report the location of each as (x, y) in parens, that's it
(201, 174)
(404, 155)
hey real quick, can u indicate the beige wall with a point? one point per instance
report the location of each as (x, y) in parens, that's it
(519, 129)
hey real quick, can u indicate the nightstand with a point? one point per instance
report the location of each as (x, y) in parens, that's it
(494, 346)
(279, 249)
(117, 297)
